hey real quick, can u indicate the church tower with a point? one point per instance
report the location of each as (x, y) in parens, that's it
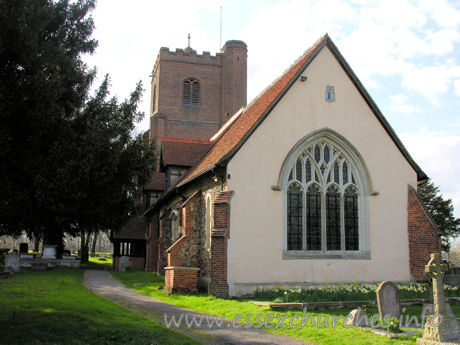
(193, 95)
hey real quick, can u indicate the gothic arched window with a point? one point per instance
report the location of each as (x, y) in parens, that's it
(191, 92)
(326, 193)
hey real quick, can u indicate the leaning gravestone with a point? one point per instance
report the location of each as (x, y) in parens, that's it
(124, 264)
(12, 263)
(388, 300)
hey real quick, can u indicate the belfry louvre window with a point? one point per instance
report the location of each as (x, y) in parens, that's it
(324, 193)
(191, 92)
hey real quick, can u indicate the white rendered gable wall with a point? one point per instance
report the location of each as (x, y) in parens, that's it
(255, 248)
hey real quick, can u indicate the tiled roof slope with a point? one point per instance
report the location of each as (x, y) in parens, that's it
(133, 229)
(229, 142)
(183, 152)
(157, 182)
(250, 116)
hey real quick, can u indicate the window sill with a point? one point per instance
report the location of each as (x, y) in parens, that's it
(191, 105)
(299, 254)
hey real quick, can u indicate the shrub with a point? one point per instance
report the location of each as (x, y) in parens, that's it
(344, 292)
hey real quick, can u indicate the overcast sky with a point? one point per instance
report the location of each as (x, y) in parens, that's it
(406, 53)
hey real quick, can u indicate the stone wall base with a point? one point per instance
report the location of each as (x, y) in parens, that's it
(181, 279)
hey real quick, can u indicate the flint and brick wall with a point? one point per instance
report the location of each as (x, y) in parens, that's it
(423, 235)
(184, 255)
(151, 262)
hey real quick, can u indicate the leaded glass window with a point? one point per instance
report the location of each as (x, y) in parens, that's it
(351, 218)
(333, 218)
(313, 216)
(323, 200)
(295, 210)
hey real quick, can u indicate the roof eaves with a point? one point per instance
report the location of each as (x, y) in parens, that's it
(174, 190)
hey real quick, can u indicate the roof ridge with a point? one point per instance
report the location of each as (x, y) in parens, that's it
(187, 140)
(197, 170)
(306, 51)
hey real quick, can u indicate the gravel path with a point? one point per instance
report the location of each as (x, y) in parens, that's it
(103, 284)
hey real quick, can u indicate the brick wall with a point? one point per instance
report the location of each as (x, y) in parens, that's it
(423, 235)
(223, 89)
(218, 285)
(181, 279)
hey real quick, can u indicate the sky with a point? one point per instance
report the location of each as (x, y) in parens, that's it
(406, 53)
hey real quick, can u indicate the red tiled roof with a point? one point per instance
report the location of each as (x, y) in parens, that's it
(250, 116)
(157, 182)
(183, 152)
(237, 132)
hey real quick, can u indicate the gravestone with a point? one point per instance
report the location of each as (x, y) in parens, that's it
(442, 327)
(23, 248)
(388, 300)
(49, 252)
(12, 263)
(124, 264)
(357, 318)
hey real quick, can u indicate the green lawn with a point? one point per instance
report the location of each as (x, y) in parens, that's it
(54, 307)
(151, 284)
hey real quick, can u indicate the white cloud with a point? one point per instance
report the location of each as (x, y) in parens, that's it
(438, 154)
(408, 41)
(457, 87)
(431, 81)
(400, 104)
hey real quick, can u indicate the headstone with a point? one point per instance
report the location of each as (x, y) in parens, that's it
(49, 252)
(23, 248)
(388, 300)
(124, 263)
(12, 263)
(357, 318)
(441, 327)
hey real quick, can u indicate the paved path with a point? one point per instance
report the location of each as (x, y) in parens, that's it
(102, 283)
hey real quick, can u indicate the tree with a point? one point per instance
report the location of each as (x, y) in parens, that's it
(69, 163)
(106, 162)
(43, 80)
(442, 212)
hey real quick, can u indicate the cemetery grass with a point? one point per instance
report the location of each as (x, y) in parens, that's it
(54, 307)
(150, 284)
(96, 264)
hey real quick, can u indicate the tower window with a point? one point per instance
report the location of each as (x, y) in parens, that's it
(191, 92)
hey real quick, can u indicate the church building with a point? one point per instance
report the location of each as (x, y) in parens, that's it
(307, 184)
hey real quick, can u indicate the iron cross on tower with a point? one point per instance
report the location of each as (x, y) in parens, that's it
(188, 38)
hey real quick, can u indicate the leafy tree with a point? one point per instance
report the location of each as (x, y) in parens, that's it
(442, 212)
(106, 162)
(42, 82)
(68, 162)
